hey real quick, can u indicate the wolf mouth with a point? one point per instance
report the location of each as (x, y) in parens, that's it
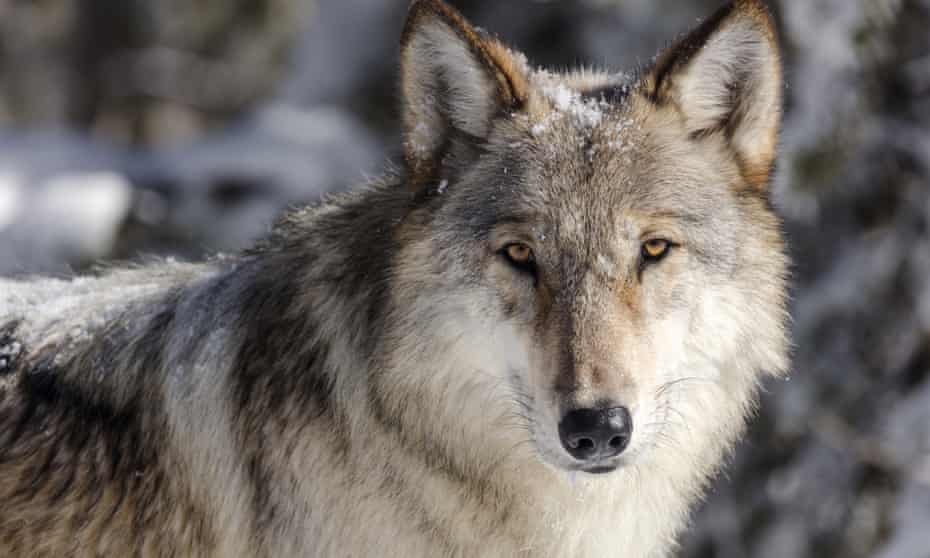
(601, 469)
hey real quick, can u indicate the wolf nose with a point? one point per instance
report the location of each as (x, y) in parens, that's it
(593, 434)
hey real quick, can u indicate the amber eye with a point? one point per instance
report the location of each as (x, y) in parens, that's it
(520, 256)
(519, 253)
(655, 249)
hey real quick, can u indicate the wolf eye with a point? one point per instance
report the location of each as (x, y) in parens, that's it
(655, 249)
(520, 256)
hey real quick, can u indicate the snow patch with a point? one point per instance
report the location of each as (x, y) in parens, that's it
(562, 97)
(618, 138)
(586, 113)
(11, 197)
(543, 125)
(92, 205)
(8, 354)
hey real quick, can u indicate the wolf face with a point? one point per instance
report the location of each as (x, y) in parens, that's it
(609, 272)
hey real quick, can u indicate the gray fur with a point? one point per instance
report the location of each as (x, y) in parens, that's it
(374, 378)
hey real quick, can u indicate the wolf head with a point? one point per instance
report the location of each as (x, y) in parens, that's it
(593, 264)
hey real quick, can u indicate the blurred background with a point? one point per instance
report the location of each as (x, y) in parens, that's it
(182, 128)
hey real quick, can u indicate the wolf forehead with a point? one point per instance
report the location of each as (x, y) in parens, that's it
(578, 128)
(580, 139)
(579, 165)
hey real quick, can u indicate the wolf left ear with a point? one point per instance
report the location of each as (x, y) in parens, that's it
(726, 76)
(454, 78)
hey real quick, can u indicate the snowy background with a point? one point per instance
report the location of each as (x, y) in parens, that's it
(182, 128)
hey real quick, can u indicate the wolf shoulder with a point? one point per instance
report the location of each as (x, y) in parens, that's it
(58, 318)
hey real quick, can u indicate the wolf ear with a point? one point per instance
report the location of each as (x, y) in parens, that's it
(453, 79)
(726, 76)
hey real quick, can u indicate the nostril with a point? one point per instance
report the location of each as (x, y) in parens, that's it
(616, 442)
(585, 444)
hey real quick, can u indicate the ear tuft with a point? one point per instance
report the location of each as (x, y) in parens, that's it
(453, 79)
(726, 76)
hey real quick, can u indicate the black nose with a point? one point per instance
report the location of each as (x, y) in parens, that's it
(593, 434)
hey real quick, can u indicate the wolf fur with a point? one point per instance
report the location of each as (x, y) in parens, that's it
(377, 378)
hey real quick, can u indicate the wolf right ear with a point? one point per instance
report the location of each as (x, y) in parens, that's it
(454, 78)
(725, 76)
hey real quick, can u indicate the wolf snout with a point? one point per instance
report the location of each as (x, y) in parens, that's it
(592, 435)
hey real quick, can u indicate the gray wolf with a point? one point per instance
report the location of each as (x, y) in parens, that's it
(540, 337)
